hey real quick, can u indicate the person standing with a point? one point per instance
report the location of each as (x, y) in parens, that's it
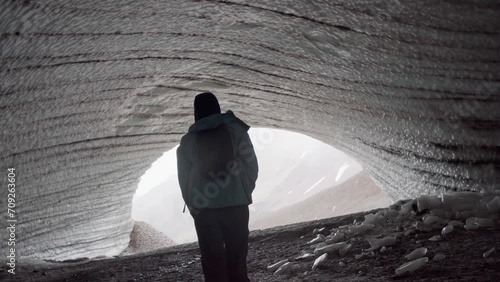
(217, 170)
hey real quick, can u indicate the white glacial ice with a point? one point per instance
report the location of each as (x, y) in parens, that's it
(92, 93)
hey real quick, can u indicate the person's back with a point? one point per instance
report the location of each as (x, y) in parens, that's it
(217, 170)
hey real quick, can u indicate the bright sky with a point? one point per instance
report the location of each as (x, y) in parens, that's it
(160, 170)
(166, 165)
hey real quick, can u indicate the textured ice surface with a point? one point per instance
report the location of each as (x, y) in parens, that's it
(92, 92)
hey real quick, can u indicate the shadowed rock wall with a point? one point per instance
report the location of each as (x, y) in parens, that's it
(92, 92)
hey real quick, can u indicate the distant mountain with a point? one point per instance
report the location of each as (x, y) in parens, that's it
(162, 208)
(358, 193)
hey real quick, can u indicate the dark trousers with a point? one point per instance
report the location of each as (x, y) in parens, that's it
(223, 241)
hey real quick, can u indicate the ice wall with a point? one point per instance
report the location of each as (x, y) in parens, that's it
(92, 92)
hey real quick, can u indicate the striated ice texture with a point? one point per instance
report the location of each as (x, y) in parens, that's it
(92, 92)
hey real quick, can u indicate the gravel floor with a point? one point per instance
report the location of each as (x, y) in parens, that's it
(463, 262)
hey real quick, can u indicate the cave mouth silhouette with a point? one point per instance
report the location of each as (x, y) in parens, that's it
(296, 172)
(94, 92)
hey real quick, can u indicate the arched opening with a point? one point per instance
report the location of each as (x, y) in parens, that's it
(300, 179)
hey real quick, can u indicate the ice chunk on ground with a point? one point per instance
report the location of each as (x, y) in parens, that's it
(447, 229)
(461, 200)
(359, 256)
(420, 226)
(377, 243)
(411, 266)
(329, 248)
(345, 250)
(360, 229)
(406, 207)
(285, 268)
(481, 222)
(305, 256)
(320, 260)
(391, 214)
(319, 238)
(455, 223)
(471, 226)
(416, 254)
(439, 212)
(435, 238)
(274, 267)
(318, 230)
(489, 252)
(374, 219)
(322, 244)
(431, 219)
(438, 257)
(494, 205)
(339, 236)
(428, 202)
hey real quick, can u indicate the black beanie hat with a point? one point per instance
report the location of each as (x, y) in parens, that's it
(205, 104)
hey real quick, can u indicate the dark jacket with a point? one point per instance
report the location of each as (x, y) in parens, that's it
(228, 177)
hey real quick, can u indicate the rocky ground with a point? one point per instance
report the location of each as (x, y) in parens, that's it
(463, 249)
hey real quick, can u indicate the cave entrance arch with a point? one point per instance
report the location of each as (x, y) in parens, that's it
(300, 179)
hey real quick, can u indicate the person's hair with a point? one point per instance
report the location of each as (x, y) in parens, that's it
(205, 104)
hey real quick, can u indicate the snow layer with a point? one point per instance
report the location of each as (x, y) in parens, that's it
(92, 92)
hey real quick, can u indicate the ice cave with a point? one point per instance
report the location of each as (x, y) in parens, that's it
(93, 92)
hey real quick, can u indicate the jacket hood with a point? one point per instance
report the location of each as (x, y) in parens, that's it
(215, 120)
(205, 104)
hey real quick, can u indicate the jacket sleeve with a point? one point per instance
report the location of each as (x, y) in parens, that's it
(249, 159)
(183, 172)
